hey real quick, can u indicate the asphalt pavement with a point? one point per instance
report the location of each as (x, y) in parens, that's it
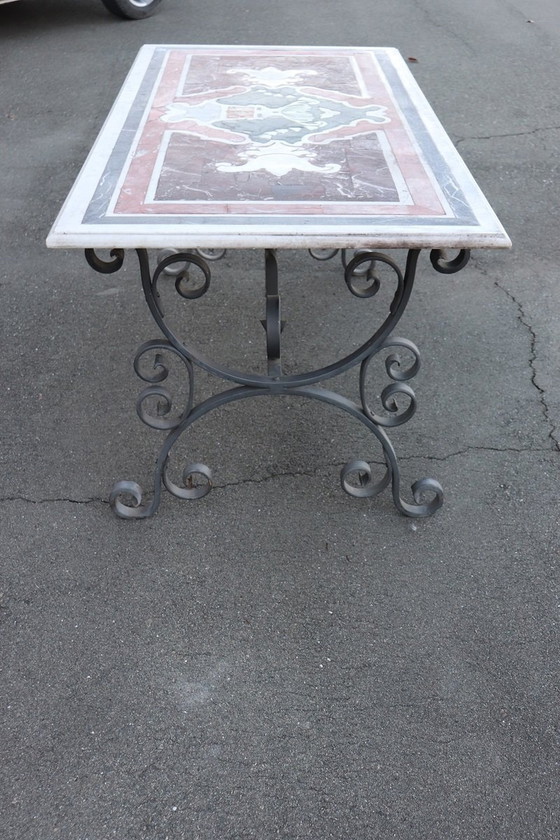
(279, 660)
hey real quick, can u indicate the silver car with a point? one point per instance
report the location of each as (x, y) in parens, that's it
(130, 9)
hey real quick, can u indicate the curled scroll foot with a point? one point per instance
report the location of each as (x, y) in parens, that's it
(420, 489)
(197, 482)
(126, 501)
(356, 480)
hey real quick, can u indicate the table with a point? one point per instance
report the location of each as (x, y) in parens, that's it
(319, 148)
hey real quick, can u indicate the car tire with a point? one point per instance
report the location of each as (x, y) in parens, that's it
(132, 9)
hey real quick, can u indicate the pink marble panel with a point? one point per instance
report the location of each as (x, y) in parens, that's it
(268, 132)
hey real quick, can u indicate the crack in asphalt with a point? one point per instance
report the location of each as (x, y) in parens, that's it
(509, 134)
(401, 459)
(57, 500)
(522, 318)
(291, 474)
(438, 23)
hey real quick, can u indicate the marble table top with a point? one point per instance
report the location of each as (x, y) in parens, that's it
(276, 147)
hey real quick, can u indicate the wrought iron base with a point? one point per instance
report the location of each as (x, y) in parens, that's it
(362, 275)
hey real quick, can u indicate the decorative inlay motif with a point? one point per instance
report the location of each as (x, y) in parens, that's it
(271, 121)
(289, 114)
(301, 130)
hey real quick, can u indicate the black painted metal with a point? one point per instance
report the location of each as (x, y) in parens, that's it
(445, 266)
(273, 322)
(362, 279)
